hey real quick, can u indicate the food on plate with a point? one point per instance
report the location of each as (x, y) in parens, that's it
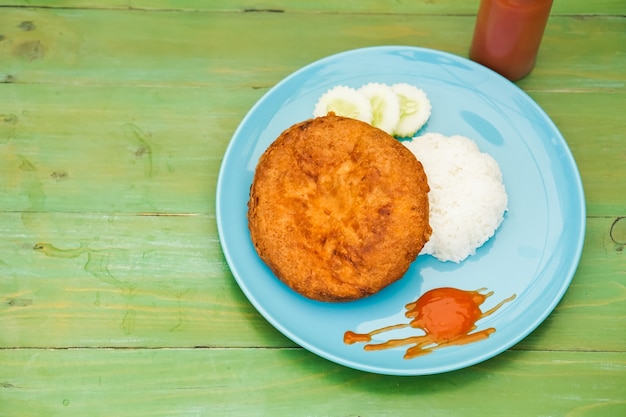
(467, 196)
(385, 106)
(447, 317)
(338, 209)
(401, 109)
(414, 109)
(344, 101)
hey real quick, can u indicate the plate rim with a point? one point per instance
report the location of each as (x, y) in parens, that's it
(575, 182)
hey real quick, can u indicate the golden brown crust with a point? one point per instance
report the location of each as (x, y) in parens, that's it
(338, 209)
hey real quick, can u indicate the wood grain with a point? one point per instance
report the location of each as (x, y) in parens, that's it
(147, 48)
(288, 382)
(597, 7)
(115, 297)
(158, 150)
(155, 281)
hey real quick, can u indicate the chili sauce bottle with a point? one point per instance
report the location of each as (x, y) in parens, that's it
(507, 35)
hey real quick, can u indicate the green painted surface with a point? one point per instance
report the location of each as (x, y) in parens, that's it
(115, 298)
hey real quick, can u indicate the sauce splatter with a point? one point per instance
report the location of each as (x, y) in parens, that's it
(447, 316)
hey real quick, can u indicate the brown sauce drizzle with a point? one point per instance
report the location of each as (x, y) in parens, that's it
(448, 317)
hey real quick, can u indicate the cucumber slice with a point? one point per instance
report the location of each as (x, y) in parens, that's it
(414, 109)
(344, 101)
(385, 105)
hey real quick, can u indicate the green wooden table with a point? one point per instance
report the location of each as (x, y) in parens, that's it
(115, 298)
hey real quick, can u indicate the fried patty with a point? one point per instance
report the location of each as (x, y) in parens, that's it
(338, 209)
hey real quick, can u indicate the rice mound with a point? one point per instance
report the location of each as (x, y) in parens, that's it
(467, 197)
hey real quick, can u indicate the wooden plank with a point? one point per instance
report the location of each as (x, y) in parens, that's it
(156, 48)
(75, 149)
(121, 281)
(156, 149)
(192, 382)
(114, 294)
(346, 6)
(161, 281)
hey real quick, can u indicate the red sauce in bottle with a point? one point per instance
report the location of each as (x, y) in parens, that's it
(508, 34)
(447, 316)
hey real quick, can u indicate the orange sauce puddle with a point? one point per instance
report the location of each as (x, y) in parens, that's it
(447, 316)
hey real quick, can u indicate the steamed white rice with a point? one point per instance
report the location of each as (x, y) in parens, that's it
(467, 197)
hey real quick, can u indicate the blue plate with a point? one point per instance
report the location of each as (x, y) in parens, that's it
(533, 255)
